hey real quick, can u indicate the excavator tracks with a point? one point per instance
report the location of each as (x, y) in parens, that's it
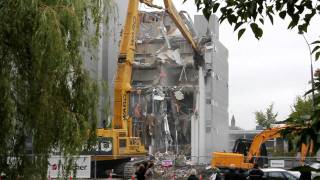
(129, 168)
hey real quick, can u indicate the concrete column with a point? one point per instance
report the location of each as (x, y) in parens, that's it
(195, 136)
(202, 117)
(198, 133)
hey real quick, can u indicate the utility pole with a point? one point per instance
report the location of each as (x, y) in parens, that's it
(311, 71)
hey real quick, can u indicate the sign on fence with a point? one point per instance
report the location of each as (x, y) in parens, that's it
(277, 163)
(166, 163)
(57, 168)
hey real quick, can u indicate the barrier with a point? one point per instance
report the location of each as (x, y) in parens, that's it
(171, 166)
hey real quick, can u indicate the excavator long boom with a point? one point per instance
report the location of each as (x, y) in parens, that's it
(122, 86)
(261, 138)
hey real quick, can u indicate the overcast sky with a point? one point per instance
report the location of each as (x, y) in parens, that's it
(275, 69)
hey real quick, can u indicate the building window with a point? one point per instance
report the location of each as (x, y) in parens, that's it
(208, 129)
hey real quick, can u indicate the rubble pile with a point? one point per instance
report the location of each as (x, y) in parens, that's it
(169, 165)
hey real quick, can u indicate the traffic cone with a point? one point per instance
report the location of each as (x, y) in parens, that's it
(200, 178)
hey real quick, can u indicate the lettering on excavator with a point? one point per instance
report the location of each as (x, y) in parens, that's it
(124, 107)
(134, 21)
(134, 141)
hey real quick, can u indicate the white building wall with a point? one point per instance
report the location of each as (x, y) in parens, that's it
(215, 99)
(101, 61)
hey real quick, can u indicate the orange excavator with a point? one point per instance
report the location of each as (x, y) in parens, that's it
(237, 160)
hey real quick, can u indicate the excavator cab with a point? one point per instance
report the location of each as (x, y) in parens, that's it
(242, 146)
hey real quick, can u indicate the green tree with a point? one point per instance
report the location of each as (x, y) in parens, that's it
(301, 111)
(243, 14)
(302, 108)
(253, 14)
(46, 95)
(304, 121)
(266, 119)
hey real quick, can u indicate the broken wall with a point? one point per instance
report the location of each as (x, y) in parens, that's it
(163, 80)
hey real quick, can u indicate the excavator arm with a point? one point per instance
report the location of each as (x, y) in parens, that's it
(173, 13)
(261, 138)
(267, 134)
(122, 86)
(226, 160)
(121, 119)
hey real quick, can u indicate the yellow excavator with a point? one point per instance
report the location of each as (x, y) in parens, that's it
(237, 160)
(116, 145)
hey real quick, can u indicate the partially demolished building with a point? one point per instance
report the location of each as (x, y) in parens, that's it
(175, 106)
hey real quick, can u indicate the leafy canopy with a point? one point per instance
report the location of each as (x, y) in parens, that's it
(46, 97)
(266, 119)
(302, 108)
(304, 121)
(253, 13)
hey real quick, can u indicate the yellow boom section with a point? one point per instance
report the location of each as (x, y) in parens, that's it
(122, 87)
(172, 11)
(261, 138)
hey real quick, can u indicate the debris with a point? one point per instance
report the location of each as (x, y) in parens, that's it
(167, 163)
(162, 30)
(137, 111)
(158, 95)
(170, 55)
(179, 95)
(158, 98)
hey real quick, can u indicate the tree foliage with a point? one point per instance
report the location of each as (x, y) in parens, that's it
(46, 95)
(266, 119)
(243, 14)
(304, 126)
(302, 108)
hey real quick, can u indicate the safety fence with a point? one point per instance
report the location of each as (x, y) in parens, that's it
(166, 165)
